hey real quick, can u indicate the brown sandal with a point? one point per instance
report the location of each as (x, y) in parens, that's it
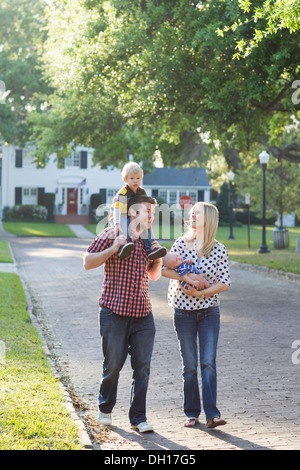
(214, 422)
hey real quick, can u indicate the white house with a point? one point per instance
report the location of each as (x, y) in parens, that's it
(75, 179)
(169, 184)
(72, 181)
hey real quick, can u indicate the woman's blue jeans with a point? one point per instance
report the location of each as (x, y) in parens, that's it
(122, 336)
(202, 325)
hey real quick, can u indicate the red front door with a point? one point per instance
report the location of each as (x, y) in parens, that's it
(72, 201)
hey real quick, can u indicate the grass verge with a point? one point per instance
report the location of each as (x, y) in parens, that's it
(5, 256)
(37, 229)
(33, 415)
(287, 260)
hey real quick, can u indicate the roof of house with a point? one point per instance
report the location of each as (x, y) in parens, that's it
(172, 176)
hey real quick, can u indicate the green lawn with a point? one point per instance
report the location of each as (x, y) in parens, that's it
(284, 260)
(287, 260)
(33, 415)
(38, 229)
(5, 256)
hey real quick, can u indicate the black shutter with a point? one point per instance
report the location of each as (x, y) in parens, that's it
(19, 158)
(41, 196)
(200, 195)
(103, 195)
(18, 196)
(83, 160)
(155, 193)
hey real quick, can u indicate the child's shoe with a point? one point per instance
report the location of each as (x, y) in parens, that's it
(125, 250)
(158, 252)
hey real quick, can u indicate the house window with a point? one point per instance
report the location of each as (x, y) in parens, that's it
(28, 157)
(163, 195)
(110, 195)
(193, 196)
(28, 160)
(30, 196)
(73, 160)
(173, 197)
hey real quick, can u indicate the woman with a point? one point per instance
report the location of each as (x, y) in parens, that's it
(196, 312)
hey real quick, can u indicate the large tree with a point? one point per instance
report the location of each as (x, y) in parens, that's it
(21, 36)
(150, 73)
(282, 186)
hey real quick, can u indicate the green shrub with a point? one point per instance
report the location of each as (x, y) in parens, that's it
(95, 201)
(6, 214)
(49, 202)
(29, 212)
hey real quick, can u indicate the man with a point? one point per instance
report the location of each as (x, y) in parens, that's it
(126, 321)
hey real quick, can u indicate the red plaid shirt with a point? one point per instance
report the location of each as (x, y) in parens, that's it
(126, 284)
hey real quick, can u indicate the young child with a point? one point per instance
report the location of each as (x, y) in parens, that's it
(181, 265)
(132, 175)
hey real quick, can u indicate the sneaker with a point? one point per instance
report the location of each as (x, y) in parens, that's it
(158, 252)
(125, 250)
(105, 418)
(144, 427)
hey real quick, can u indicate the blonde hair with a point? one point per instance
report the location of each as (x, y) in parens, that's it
(211, 218)
(130, 168)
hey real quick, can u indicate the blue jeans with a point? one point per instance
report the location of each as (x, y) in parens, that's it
(147, 235)
(203, 324)
(122, 336)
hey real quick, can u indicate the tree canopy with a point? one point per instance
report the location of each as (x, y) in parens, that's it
(145, 75)
(21, 37)
(278, 15)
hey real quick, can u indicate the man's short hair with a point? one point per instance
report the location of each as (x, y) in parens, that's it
(140, 199)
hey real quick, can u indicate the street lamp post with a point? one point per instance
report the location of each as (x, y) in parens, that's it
(230, 176)
(264, 159)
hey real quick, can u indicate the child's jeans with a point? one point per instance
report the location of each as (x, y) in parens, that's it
(147, 235)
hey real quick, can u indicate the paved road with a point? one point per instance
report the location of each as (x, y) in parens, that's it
(258, 384)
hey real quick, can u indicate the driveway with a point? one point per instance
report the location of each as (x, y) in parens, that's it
(258, 382)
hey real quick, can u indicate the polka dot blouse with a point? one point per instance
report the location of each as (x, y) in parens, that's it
(215, 269)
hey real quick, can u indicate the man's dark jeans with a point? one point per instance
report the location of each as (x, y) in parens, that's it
(122, 336)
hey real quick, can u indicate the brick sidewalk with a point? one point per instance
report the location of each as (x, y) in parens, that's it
(258, 385)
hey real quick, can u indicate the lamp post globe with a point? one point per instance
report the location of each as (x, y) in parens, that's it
(264, 157)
